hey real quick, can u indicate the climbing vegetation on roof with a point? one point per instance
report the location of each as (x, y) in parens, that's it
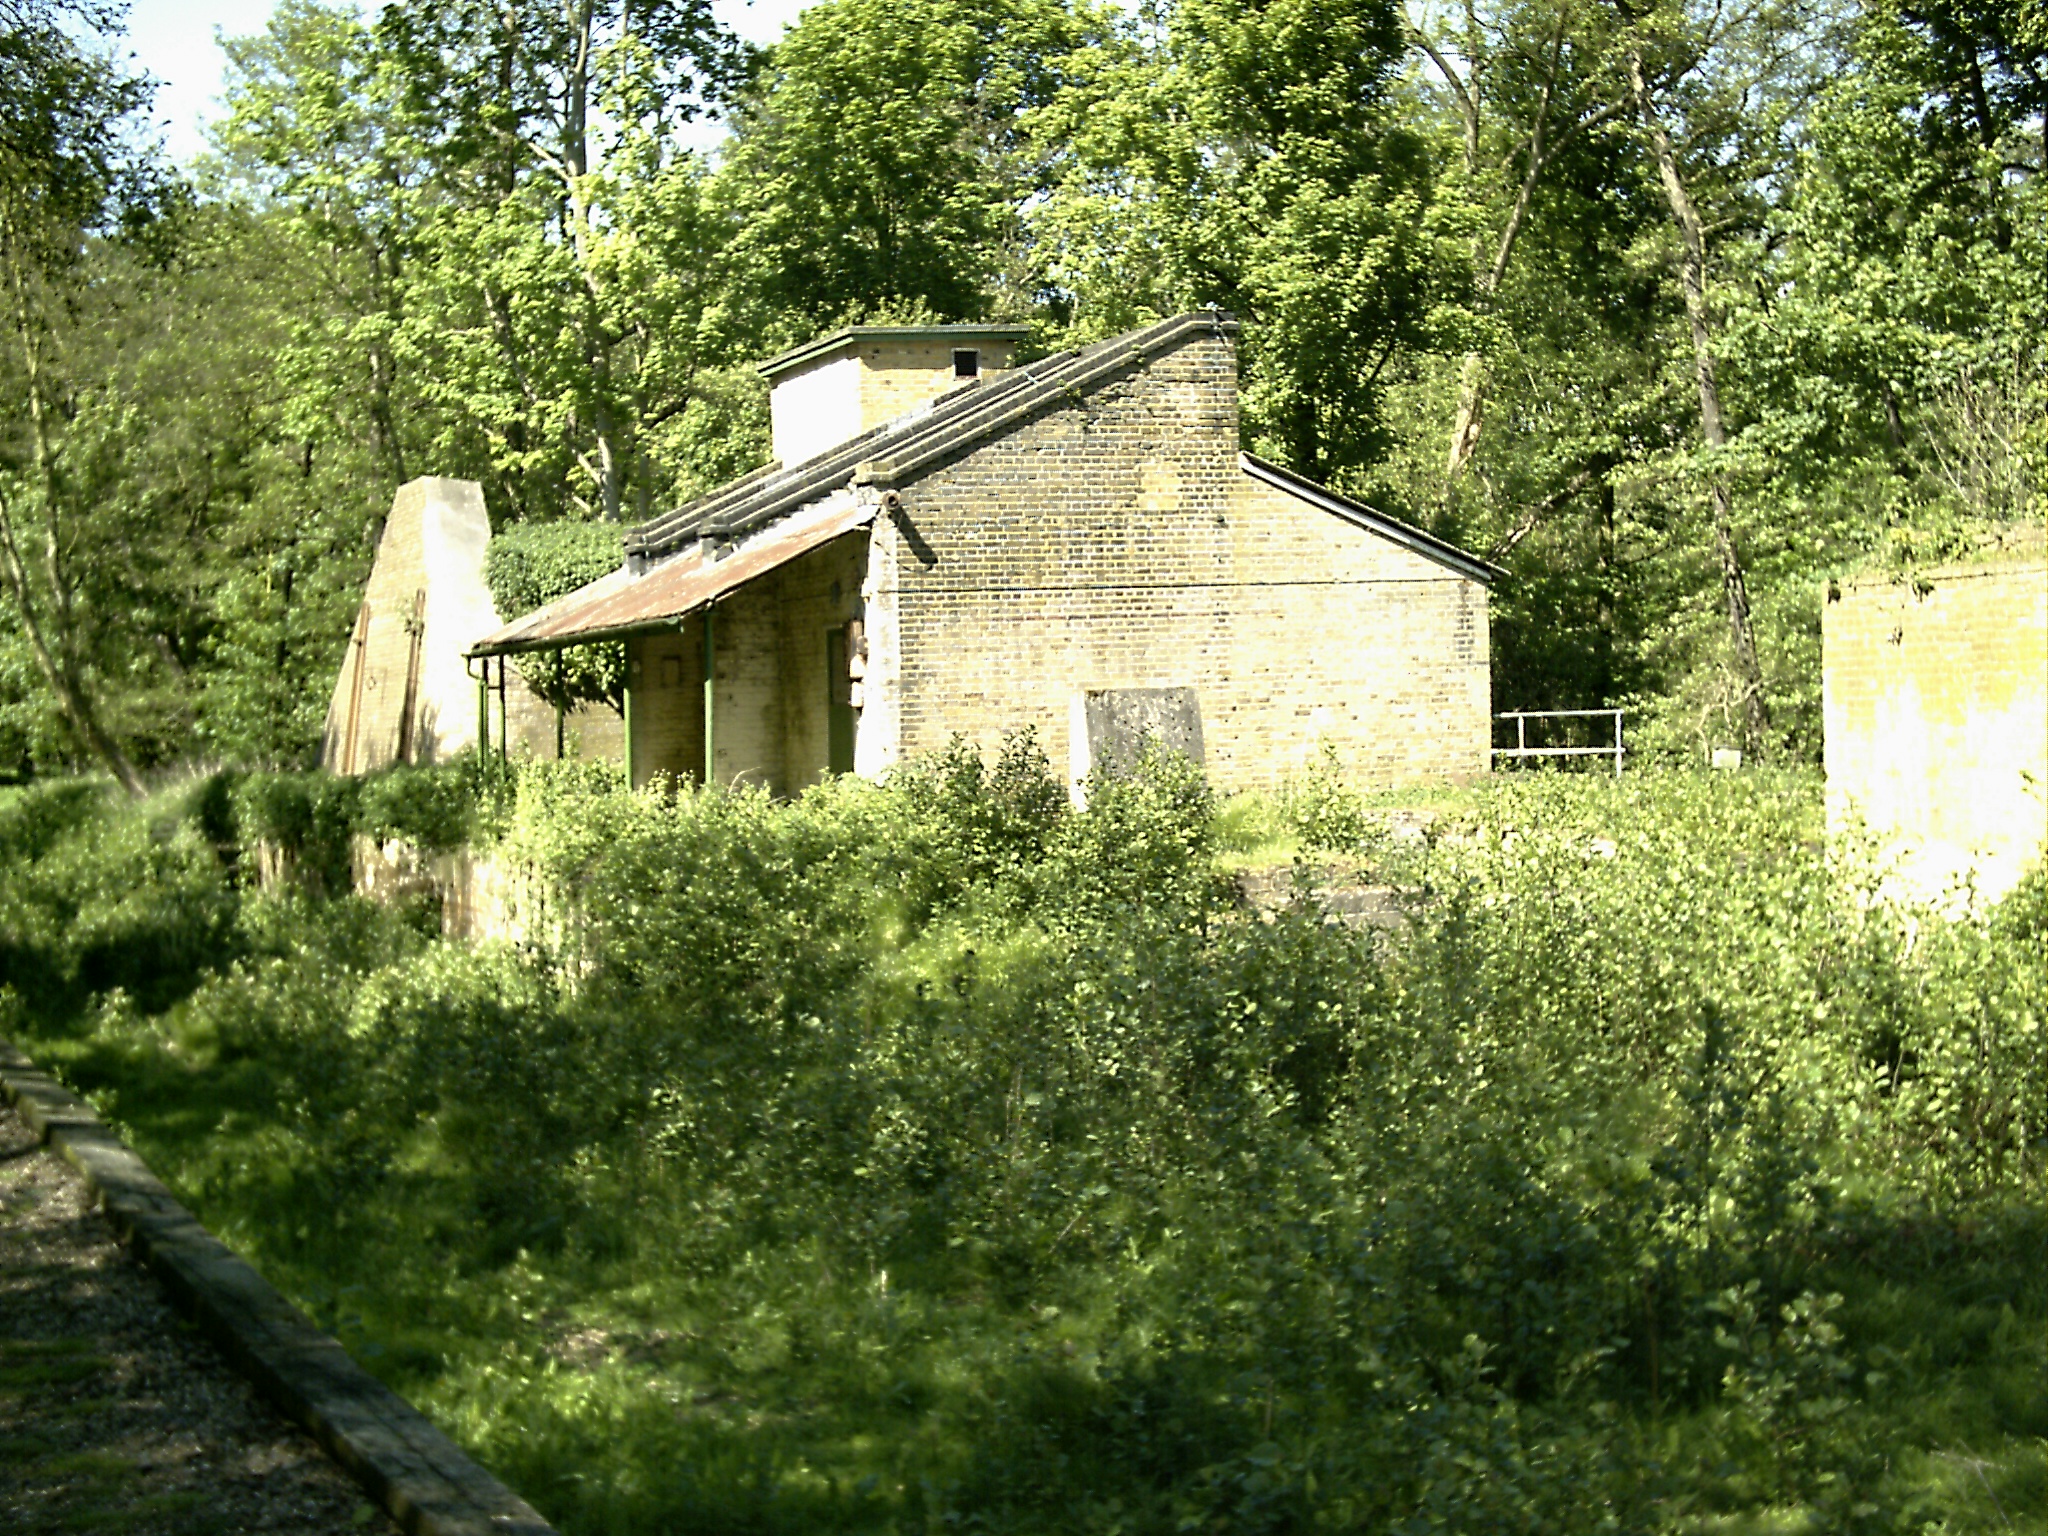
(529, 565)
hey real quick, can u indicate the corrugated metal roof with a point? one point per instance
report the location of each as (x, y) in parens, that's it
(620, 604)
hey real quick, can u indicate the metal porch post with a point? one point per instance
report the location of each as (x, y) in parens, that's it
(710, 696)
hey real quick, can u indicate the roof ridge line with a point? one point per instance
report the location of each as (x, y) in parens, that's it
(1082, 367)
(821, 471)
(910, 441)
(849, 456)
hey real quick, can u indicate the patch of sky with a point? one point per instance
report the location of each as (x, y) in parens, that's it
(177, 43)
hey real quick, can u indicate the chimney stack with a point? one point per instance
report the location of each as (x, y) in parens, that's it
(831, 390)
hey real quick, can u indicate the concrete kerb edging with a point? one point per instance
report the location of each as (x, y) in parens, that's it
(418, 1474)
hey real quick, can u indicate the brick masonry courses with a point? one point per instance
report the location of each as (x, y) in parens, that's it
(1117, 542)
(1089, 525)
(866, 382)
(1935, 703)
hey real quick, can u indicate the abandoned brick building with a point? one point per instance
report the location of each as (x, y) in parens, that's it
(948, 544)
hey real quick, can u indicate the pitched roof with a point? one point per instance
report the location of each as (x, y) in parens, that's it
(1425, 544)
(746, 529)
(890, 453)
(619, 604)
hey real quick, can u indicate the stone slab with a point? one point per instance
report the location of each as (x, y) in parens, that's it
(1112, 727)
(420, 1476)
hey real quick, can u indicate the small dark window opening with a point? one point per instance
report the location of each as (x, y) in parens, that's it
(966, 363)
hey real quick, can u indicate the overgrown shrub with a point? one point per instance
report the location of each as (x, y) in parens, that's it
(434, 809)
(937, 1152)
(104, 897)
(308, 817)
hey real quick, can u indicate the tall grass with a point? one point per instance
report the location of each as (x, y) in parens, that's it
(933, 1156)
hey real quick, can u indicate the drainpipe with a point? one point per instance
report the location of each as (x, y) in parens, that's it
(483, 708)
(503, 713)
(710, 694)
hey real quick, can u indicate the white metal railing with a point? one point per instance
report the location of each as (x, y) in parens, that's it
(1522, 749)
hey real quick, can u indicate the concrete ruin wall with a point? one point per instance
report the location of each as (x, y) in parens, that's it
(1935, 701)
(405, 693)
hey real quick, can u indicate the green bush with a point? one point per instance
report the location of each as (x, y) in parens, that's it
(434, 809)
(103, 897)
(938, 1153)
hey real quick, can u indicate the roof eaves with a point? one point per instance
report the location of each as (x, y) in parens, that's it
(1427, 545)
(782, 362)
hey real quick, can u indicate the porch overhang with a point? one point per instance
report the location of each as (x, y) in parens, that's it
(620, 604)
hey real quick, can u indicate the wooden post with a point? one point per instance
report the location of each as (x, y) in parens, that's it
(627, 713)
(359, 656)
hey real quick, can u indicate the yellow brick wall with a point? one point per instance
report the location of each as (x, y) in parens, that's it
(1116, 543)
(900, 376)
(1935, 704)
(818, 592)
(825, 402)
(665, 678)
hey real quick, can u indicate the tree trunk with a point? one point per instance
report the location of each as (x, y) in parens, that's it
(1472, 377)
(1465, 425)
(63, 679)
(1692, 269)
(55, 663)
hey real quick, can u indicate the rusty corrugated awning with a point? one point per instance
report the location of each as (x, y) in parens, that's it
(618, 604)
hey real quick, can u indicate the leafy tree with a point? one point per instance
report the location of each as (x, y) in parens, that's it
(182, 505)
(69, 168)
(880, 167)
(1895, 354)
(1523, 82)
(311, 140)
(528, 248)
(531, 565)
(1253, 158)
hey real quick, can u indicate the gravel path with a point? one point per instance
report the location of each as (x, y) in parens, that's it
(115, 1414)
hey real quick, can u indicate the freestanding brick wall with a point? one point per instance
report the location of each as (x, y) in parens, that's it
(1935, 701)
